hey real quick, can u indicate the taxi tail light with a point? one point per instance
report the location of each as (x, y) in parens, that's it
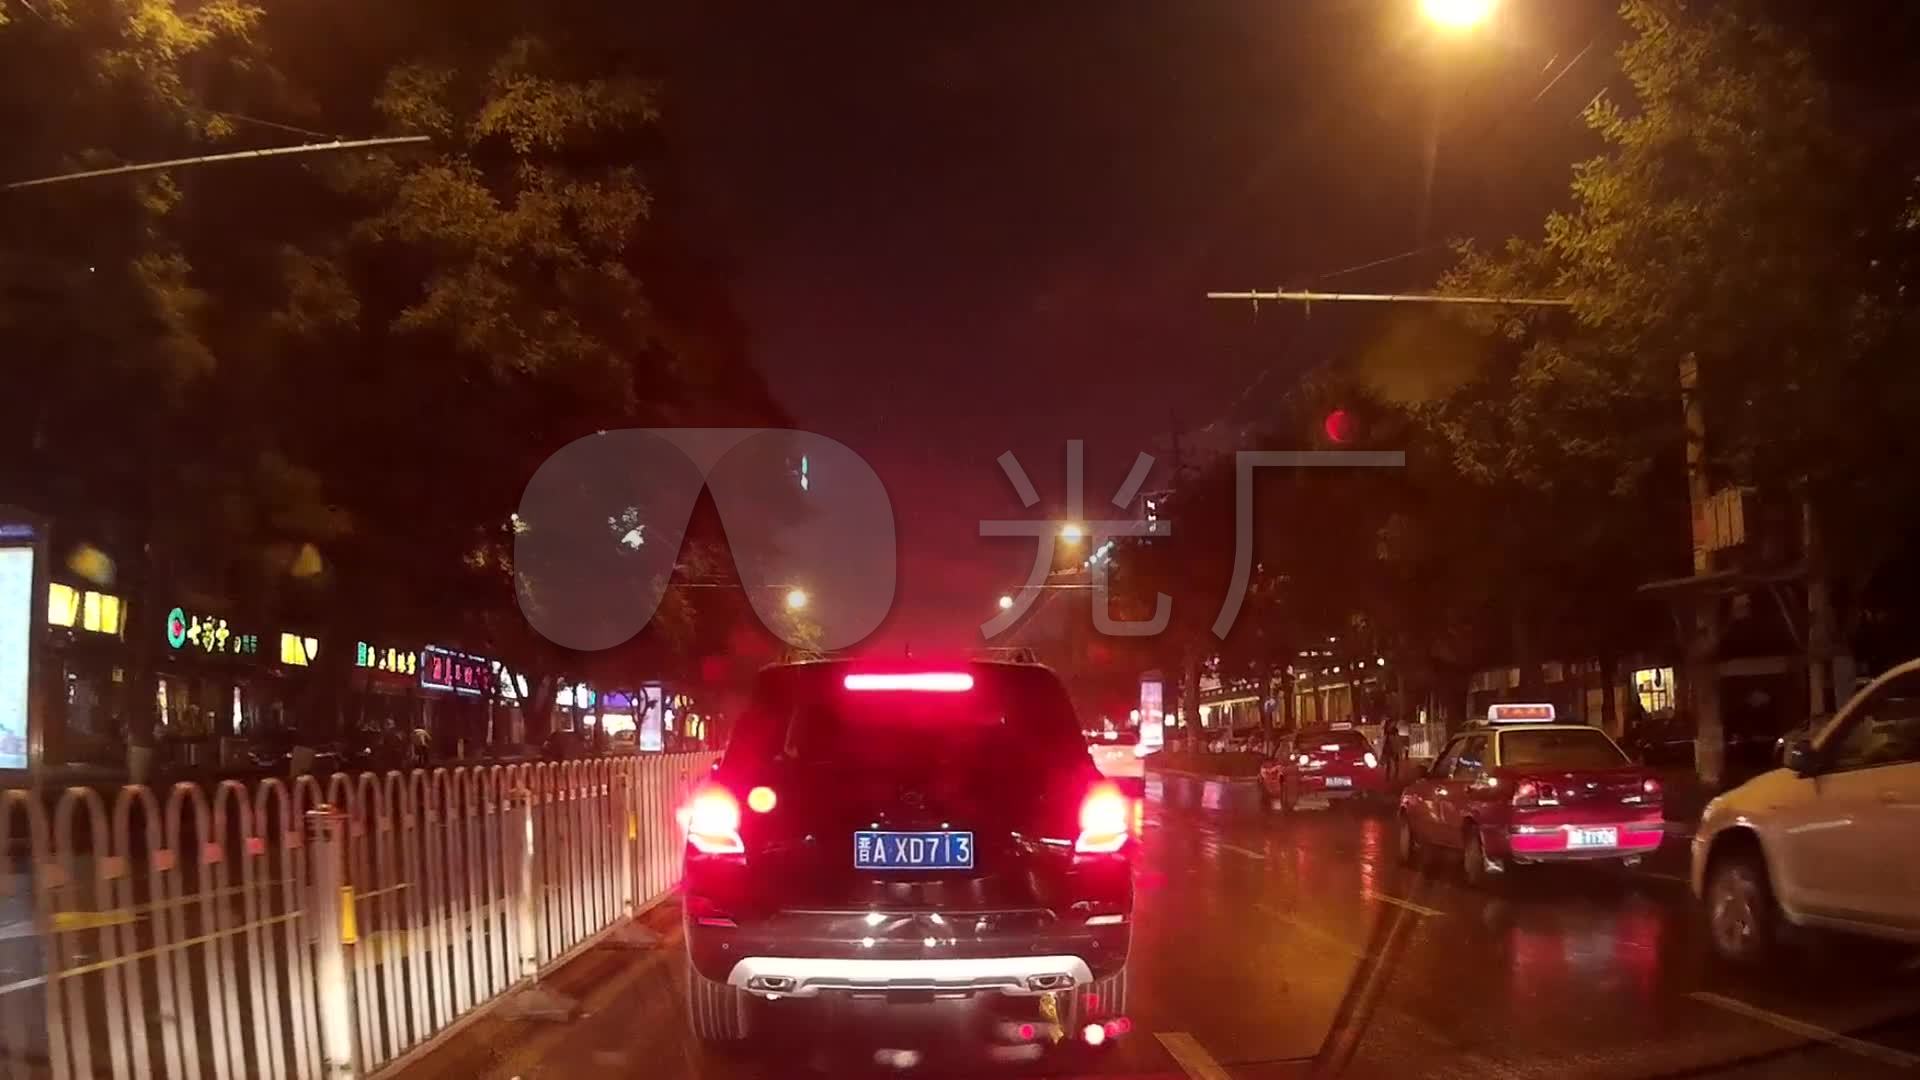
(1650, 787)
(712, 820)
(1105, 820)
(1372, 762)
(1534, 793)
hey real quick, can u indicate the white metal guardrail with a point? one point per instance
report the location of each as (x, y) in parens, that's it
(311, 929)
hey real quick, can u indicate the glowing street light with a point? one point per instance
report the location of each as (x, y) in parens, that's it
(1005, 602)
(1457, 14)
(1072, 533)
(796, 599)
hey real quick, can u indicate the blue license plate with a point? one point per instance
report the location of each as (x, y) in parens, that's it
(912, 850)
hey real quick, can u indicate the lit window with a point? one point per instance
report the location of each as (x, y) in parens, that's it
(63, 604)
(90, 611)
(111, 614)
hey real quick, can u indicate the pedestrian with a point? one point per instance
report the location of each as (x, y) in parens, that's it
(1391, 748)
(1634, 729)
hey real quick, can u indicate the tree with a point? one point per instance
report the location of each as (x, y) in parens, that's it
(1736, 223)
(351, 366)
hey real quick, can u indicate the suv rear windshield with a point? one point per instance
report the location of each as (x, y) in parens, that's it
(1567, 748)
(803, 718)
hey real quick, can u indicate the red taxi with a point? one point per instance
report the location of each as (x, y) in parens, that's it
(1524, 789)
(1323, 765)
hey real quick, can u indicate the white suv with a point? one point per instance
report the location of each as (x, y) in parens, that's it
(1828, 840)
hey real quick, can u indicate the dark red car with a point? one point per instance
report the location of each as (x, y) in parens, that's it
(1323, 764)
(1531, 791)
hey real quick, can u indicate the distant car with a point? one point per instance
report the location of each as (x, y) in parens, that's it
(1522, 788)
(1828, 840)
(1323, 765)
(1119, 755)
(901, 835)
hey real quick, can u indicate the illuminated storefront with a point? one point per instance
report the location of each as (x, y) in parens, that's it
(1654, 688)
(21, 569)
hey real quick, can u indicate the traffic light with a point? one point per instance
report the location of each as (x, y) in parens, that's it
(1338, 426)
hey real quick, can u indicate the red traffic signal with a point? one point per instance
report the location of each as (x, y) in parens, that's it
(1338, 426)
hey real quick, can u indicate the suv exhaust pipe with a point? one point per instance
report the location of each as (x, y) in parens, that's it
(1056, 981)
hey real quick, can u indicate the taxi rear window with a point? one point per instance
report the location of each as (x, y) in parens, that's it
(1351, 742)
(1565, 748)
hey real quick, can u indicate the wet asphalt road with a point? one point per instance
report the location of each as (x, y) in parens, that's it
(1281, 946)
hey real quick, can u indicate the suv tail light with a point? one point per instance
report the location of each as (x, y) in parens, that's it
(712, 821)
(1534, 793)
(1651, 787)
(1104, 820)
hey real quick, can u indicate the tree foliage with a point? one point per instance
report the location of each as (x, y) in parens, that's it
(315, 386)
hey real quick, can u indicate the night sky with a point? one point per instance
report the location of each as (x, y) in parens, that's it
(963, 229)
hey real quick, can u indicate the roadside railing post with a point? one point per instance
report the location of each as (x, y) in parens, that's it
(330, 909)
(628, 932)
(520, 833)
(530, 1000)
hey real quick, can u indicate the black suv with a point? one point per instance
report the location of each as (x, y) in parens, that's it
(910, 834)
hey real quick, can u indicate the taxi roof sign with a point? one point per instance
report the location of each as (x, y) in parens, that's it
(1519, 714)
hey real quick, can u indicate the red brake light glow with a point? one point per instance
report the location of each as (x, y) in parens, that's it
(713, 822)
(1104, 820)
(941, 682)
(761, 799)
(1651, 786)
(1530, 793)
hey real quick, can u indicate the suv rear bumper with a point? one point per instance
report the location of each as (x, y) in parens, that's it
(797, 976)
(1000, 950)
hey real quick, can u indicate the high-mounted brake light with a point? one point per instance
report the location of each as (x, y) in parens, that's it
(712, 820)
(947, 682)
(1104, 820)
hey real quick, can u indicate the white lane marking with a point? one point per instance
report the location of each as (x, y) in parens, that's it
(1192, 1058)
(1313, 932)
(1238, 850)
(1408, 904)
(1887, 1055)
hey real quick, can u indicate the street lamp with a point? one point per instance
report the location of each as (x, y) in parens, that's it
(1457, 14)
(1005, 602)
(1071, 533)
(796, 599)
